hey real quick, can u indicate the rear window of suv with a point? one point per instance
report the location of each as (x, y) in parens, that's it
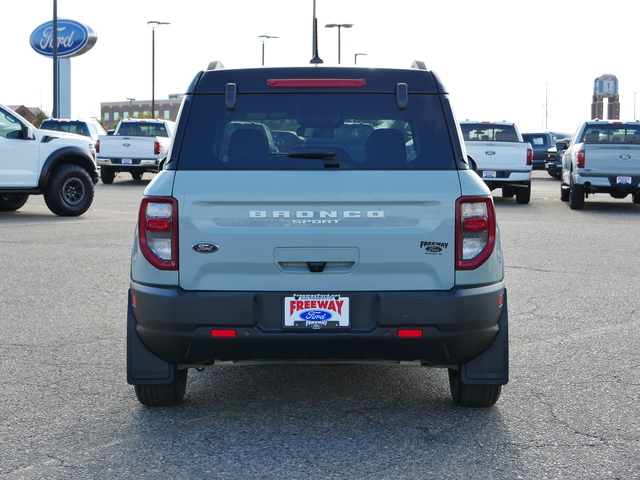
(316, 131)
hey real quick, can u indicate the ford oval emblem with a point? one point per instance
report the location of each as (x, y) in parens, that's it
(205, 247)
(126, 144)
(74, 38)
(625, 157)
(315, 315)
(489, 152)
(433, 249)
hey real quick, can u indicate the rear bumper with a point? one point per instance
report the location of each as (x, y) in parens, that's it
(608, 183)
(175, 326)
(502, 178)
(136, 165)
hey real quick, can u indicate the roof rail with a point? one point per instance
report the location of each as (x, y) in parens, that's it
(215, 65)
(419, 64)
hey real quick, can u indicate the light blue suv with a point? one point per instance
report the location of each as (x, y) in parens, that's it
(341, 248)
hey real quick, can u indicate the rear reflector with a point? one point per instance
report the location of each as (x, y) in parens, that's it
(410, 333)
(223, 333)
(316, 83)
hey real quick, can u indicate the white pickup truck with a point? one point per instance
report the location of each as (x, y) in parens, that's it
(504, 160)
(59, 165)
(137, 146)
(603, 157)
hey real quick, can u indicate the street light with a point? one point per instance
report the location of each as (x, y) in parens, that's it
(355, 59)
(340, 26)
(263, 39)
(131, 100)
(153, 24)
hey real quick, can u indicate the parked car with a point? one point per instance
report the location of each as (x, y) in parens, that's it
(137, 146)
(327, 252)
(87, 128)
(603, 157)
(503, 158)
(58, 165)
(541, 143)
(285, 139)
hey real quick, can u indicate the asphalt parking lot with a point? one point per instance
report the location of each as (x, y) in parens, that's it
(571, 409)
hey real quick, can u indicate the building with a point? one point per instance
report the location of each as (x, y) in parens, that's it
(28, 113)
(112, 112)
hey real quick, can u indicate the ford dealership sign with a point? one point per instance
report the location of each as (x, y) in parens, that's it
(74, 38)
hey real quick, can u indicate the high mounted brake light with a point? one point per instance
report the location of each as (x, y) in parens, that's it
(158, 231)
(316, 83)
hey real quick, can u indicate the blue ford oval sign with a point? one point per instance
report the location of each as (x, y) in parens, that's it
(74, 38)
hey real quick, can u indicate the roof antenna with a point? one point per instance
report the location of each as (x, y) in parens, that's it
(316, 59)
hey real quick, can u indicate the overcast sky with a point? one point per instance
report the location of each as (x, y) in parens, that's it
(499, 59)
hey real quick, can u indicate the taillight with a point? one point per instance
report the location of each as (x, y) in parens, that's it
(529, 156)
(97, 146)
(158, 231)
(156, 148)
(475, 231)
(580, 158)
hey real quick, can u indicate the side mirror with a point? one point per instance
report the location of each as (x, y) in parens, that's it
(110, 132)
(561, 146)
(472, 163)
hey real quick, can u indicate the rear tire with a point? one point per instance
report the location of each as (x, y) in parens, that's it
(69, 192)
(107, 175)
(169, 395)
(474, 396)
(636, 198)
(576, 197)
(11, 203)
(136, 176)
(523, 195)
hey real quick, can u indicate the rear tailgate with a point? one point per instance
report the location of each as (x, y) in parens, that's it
(509, 156)
(610, 159)
(373, 230)
(115, 146)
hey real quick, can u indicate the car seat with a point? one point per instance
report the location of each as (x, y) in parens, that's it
(385, 148)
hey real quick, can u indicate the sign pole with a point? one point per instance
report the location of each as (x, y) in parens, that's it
(54, 114)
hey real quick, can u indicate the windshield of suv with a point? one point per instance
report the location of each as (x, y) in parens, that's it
(479, 132)
(316, 131)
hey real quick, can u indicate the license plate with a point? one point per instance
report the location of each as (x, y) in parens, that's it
(489, 174)
(127, 161)
(316, 311)
(624, 180)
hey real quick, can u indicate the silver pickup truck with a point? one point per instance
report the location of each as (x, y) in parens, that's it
(603, 157)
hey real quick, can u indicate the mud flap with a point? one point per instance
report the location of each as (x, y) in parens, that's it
(143, 367)
(491, 367)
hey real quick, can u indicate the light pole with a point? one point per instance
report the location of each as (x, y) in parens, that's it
(340, 26)
(355, 59)
(131, 100)
(263, 39)
(153, 24)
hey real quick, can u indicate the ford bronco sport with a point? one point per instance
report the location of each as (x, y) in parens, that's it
(377, 243)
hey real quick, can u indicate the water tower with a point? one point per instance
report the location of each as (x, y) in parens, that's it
(605, 86)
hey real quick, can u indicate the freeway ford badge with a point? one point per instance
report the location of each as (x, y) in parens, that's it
(316, 311)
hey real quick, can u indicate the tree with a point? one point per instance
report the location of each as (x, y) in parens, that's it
(40, 117)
